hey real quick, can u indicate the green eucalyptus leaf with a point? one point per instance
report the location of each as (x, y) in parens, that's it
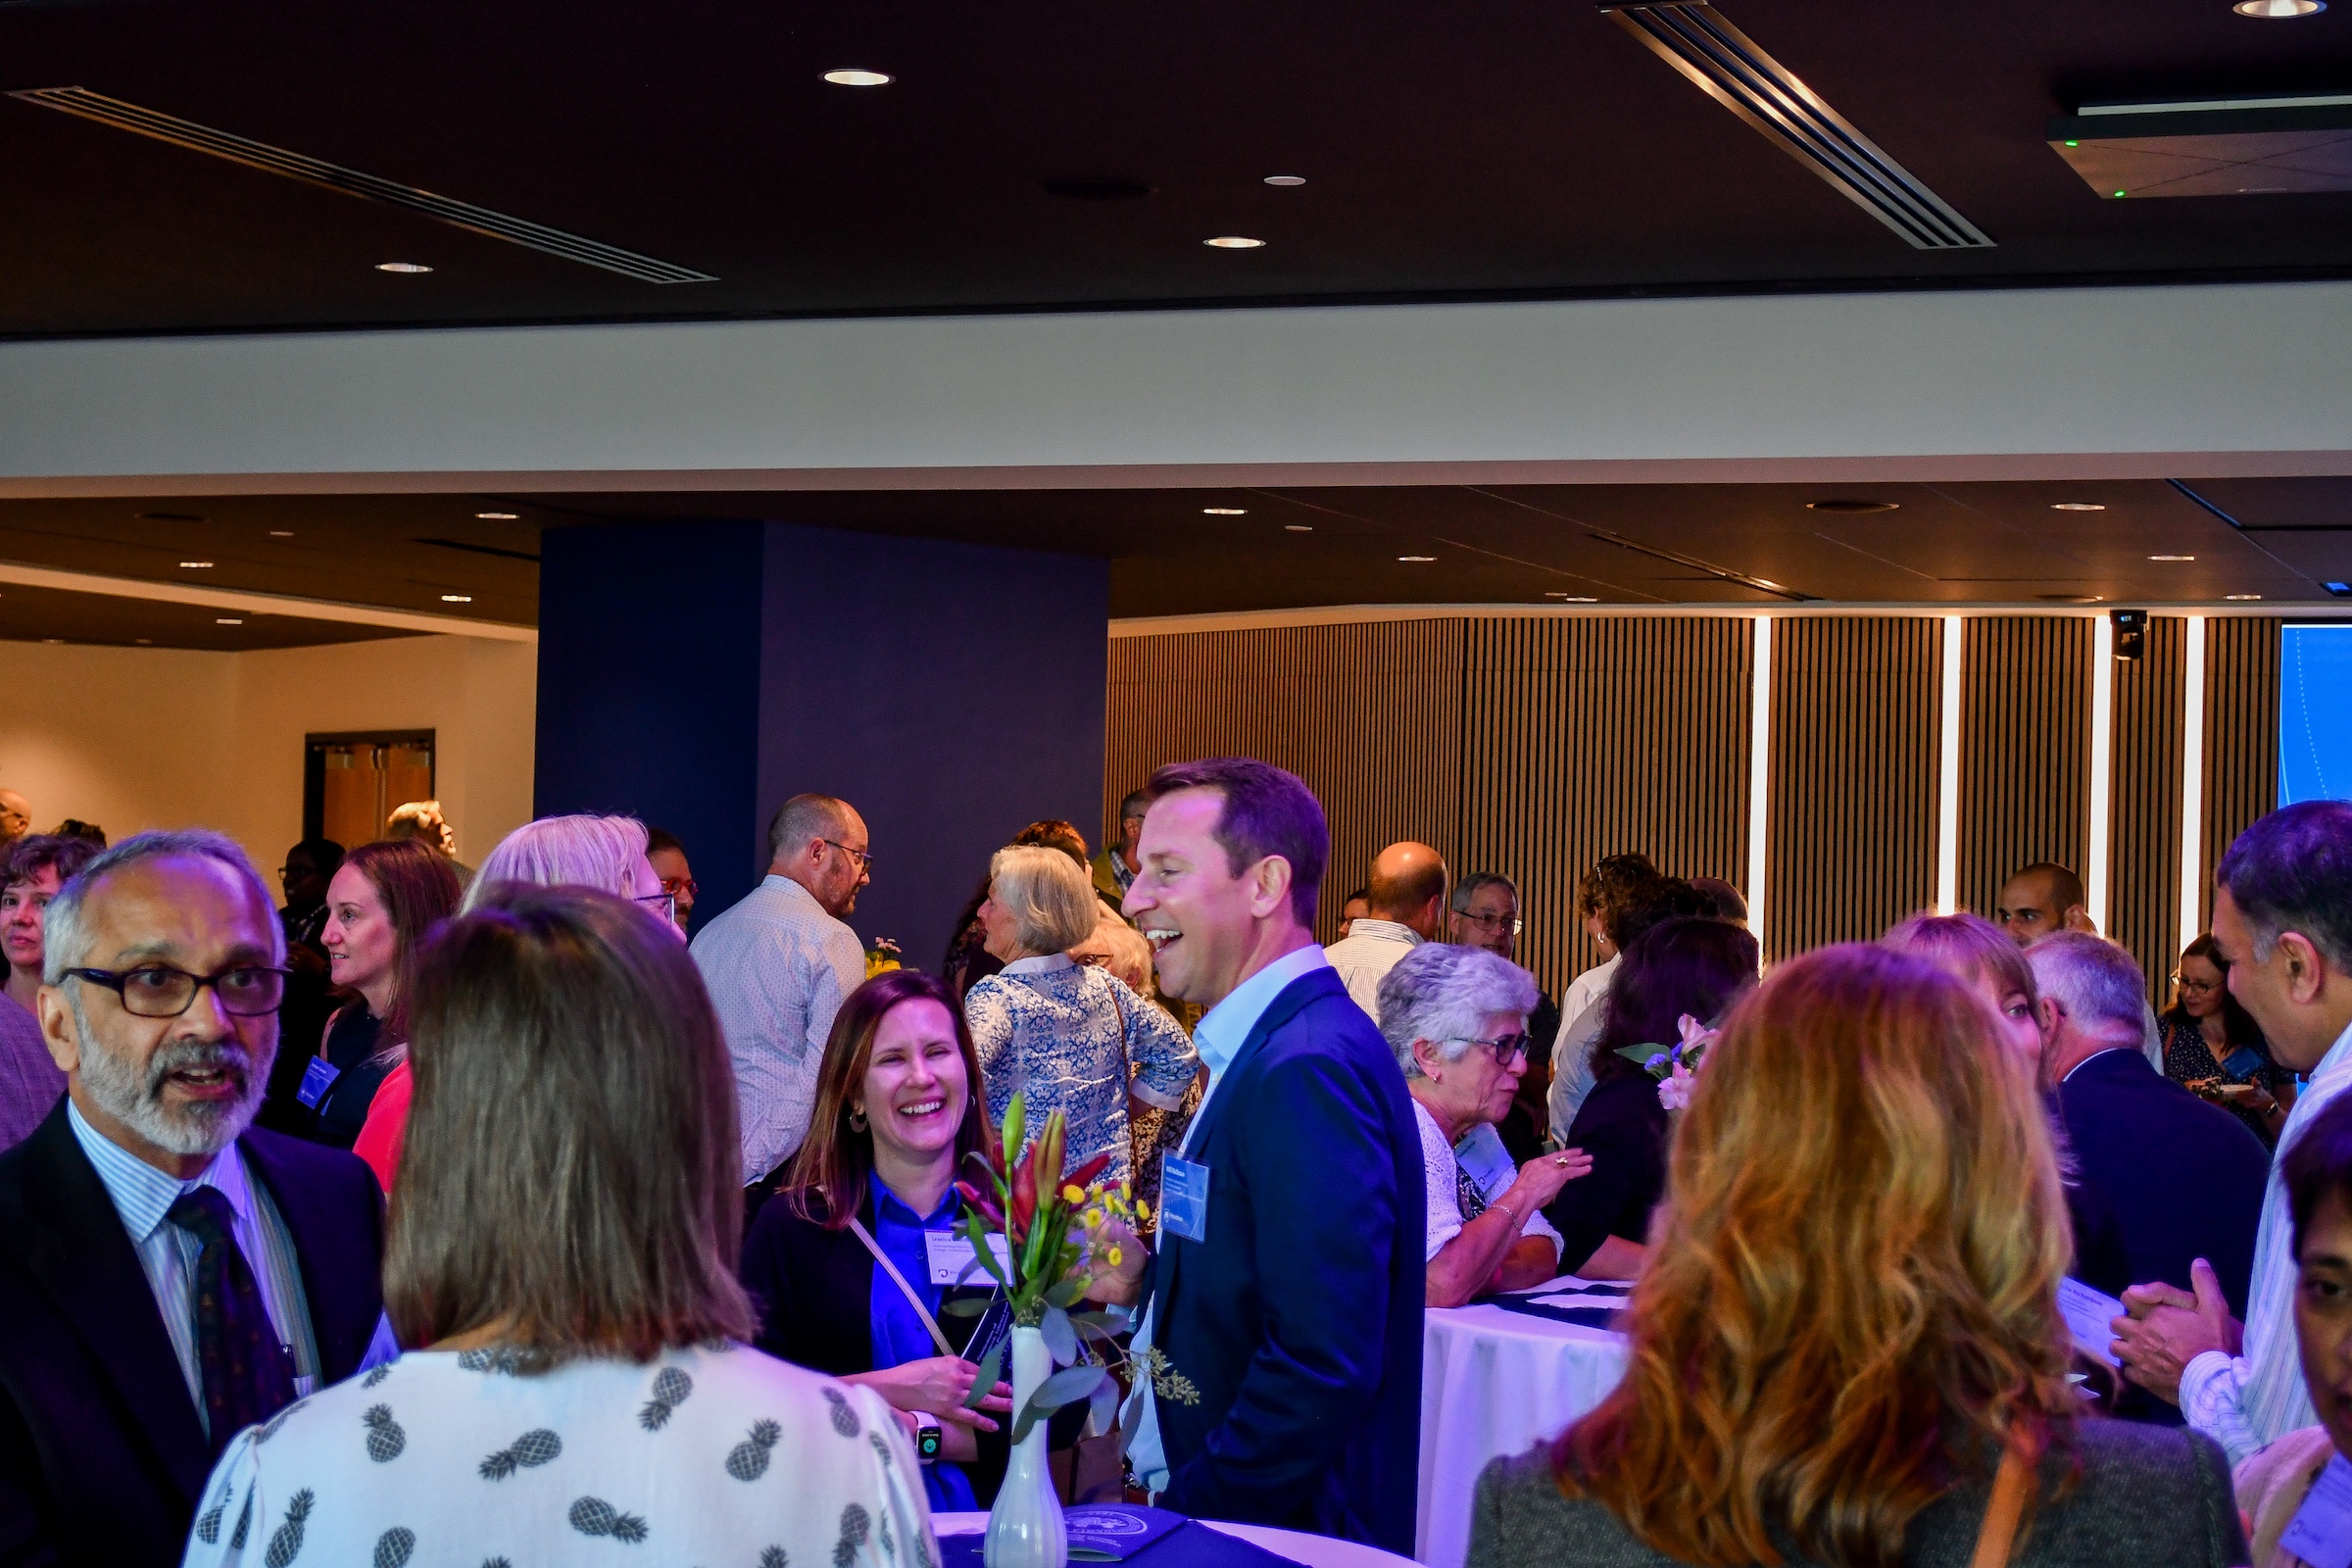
(1061, 1340)
(992, 1372)
(962, 1307)
(1065, 1387)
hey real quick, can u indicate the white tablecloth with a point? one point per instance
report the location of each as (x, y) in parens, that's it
(1315, 1551)
(1495, 1383)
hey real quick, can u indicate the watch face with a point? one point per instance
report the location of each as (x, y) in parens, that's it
(926, 1441)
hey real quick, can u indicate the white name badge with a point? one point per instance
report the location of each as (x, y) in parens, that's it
(953, 1261)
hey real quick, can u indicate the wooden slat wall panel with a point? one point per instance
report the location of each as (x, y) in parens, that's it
(1588, 736)
(2144, 803)
(1851, 845)
(1370, 715)
(2241, 732)
(2024, 750)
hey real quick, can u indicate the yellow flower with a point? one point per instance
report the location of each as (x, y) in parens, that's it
(1112, 1258)
(1072, 1194)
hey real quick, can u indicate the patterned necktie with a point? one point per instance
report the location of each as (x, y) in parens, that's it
(246, 1375)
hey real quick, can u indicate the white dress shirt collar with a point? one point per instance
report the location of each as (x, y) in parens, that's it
(2336, 1064)
(1366, 929)
(2095, 1056)
(142, 1194)
(1223, 1030)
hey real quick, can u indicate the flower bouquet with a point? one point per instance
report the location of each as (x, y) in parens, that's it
(1675, 1066)
(1058, 1229)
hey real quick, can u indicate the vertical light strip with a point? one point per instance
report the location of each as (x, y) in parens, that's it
(2102, 764)
(2192, 786)
(1759, 779)
(1947, 775)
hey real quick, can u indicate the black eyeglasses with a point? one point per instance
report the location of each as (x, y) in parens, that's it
(1508, 1051)
(159, 991)
(664, 905)
(865, 862)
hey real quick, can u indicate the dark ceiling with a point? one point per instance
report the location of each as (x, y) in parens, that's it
(1506, 148)
(1632, 545)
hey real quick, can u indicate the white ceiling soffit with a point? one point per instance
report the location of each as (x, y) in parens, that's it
(285, 605)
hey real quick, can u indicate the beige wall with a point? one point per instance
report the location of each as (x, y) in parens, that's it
(133, 738)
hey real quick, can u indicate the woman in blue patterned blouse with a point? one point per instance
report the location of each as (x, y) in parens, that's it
(1063, 1033)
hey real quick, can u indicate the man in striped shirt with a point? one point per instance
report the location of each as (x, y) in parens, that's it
(2282, 919)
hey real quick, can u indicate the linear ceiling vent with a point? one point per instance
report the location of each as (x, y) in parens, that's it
(187, 133)
(1693, 37)
(2274, 145)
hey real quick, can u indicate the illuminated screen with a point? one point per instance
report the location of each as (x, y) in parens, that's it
(2315, 715)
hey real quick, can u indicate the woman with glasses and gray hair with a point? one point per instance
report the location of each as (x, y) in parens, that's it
(1070, 1037)
(1457, 1019)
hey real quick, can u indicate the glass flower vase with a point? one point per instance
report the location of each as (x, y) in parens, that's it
(1025, 1528)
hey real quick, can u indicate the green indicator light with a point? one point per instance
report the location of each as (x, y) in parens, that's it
(2118, 193)
(2073, 144)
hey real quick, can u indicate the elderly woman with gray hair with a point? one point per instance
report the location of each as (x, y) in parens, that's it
(1457, 1019)
(1070, 1037)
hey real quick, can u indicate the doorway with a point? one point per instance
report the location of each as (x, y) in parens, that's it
(351, 783)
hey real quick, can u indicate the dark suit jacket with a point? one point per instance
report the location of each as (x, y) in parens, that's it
(2185, 1178)
(102, 1457)
(1299, 1319)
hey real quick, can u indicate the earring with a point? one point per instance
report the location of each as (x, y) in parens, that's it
(856, 1120)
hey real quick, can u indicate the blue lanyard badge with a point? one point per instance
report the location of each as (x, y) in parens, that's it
(317, 1079)
(2320, 1533)
(1183, 1198)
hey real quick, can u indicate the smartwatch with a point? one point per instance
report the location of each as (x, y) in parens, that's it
(926, 1436)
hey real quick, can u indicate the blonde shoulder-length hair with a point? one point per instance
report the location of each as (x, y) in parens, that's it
(1852, 1302)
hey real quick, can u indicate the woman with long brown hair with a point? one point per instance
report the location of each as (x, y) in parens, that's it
(1846, 1347)
(382, 900)
(562, 1248)
(839, 1265)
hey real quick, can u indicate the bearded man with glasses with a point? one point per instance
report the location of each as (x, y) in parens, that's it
(1457, 1019)
(1483, 914)
(172, 1275)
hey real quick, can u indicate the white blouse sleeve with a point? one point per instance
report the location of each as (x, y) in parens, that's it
(223, 1532)
(1445, 1220)
(903, 1512)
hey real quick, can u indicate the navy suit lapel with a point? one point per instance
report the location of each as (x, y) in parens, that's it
(79, 1250)
(340, 1287)
(1281, 1011)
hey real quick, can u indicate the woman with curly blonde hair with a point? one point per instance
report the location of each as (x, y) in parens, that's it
(1846, 1348)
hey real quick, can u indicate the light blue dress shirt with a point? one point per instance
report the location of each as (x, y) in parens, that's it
(1219, 1037)
(143, 1197)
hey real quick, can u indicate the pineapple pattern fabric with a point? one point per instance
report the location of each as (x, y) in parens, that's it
(701, 1456)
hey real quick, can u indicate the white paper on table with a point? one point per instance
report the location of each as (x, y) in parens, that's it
(2088, 1313)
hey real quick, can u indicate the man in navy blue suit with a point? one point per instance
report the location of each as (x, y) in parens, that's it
(1283, 1307)
(2185, 1178)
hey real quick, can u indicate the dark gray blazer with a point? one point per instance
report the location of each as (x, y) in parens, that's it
(2146, 1498)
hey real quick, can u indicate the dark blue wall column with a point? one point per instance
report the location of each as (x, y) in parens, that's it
(699, 673)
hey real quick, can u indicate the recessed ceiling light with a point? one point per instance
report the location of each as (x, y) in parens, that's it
(144, 642)
(852, 77)
(1852, 507)
(1234, 242)
(2172, 558)
(229, 621)
(1416, 558)
(1297, 527)
(456, 598)
(1574, 599)
(497, 517)
(2070, 598)
(53, 639)
(1225, 512)
(402, 267)
(2278, 10)
(195, 565)
(2241, 596)
(2077, 506)
(1286, 179)
(281, 533)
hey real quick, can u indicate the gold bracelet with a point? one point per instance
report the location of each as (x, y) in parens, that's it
(1516, 1221)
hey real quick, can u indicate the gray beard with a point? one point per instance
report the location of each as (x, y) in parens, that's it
(135, 1098)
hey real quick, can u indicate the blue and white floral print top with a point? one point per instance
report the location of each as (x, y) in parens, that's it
(1066, 1036)
(719, 1456)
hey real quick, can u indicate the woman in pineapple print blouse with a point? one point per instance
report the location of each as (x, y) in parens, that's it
(1060, 1032)
(563, 1246)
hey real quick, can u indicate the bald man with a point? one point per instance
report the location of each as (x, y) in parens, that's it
(2041, 900)
(1406, 897)
(15, 817)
